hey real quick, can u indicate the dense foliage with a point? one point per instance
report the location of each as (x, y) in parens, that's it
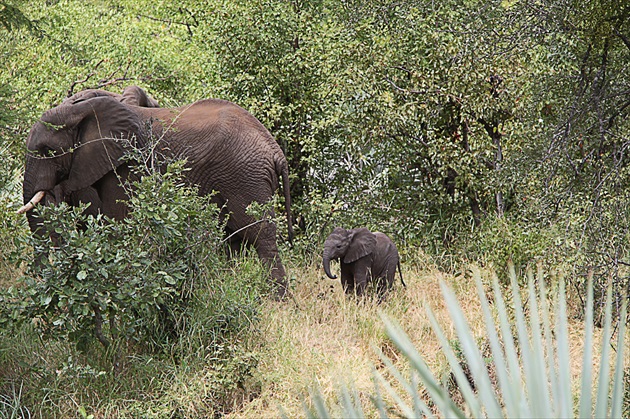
(427, 122)
(156, 283)
(123, 281)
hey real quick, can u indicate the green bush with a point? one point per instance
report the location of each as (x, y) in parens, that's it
(129, 280)
(502, 240)
(155, 289)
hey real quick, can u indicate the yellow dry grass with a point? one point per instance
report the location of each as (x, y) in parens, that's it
(322, 339)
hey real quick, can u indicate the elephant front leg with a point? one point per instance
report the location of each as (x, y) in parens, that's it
(361, 277)
(347, 278)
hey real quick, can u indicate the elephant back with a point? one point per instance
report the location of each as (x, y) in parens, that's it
(214, 129)
(227, 149)
(387, 263)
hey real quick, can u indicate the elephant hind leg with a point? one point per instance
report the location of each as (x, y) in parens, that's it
(382, 288)
(264, 240)
(280, 282)
(279, 277)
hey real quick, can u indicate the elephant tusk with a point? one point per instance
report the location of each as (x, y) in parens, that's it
(31, 204)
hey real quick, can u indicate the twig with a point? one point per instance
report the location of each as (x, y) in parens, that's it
(623, 38)
(243, 228)
(171, 21)
(74, 84)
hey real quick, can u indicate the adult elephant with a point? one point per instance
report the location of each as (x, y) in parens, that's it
(75, 154)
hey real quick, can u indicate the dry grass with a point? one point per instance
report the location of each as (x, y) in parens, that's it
(323, 339)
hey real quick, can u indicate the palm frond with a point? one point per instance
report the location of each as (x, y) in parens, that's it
(530, 360)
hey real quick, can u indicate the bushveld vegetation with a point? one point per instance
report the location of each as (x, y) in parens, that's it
(489, 139)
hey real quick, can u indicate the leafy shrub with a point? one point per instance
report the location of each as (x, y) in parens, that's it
(500, 241)
(129, 280)
(155, 287)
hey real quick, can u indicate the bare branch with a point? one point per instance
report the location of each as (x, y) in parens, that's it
(74, 84)
(400, 89)
(174, 22)
(621, 36)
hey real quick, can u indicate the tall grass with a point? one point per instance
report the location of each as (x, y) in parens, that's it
(528, 373)
(11, 404)
(323, 338)
(292, 357)
(207, 370)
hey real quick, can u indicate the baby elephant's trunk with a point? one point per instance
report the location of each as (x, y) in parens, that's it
(327, 266)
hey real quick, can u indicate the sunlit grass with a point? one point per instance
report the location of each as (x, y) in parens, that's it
(324, 339)
(523, 366)
(308, 349)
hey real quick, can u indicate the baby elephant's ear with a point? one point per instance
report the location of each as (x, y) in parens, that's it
(362, 244)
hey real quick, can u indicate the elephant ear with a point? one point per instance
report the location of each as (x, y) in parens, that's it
(134, 95)
(362, 244)
(104, 130)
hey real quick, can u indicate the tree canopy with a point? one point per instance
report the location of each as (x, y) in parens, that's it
(434, 122)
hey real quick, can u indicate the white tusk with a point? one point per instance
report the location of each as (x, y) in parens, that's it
(31, 204)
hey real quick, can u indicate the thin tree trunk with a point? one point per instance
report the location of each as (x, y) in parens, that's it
(98, 326)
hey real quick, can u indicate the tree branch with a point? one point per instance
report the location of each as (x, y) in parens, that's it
(623, 38)
(74, 84)
(98, 326)
(174, 22)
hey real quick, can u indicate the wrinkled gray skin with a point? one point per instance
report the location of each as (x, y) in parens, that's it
(363, 256)
(109, 186)
(227, 150)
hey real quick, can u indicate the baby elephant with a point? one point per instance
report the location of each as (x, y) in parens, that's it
(363, 256)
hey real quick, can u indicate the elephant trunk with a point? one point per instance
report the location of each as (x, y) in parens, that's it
(40, 176)
(327, 266)
(39, 180)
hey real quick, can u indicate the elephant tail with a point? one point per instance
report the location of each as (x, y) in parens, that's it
(400, 272)
(282, 170)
